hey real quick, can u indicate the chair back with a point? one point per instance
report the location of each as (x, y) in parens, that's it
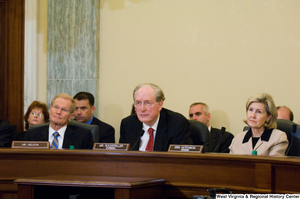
(199, 134)
(294, 138)
(93, 128)
(6, 133)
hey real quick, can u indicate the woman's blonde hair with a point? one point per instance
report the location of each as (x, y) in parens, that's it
(270, 107)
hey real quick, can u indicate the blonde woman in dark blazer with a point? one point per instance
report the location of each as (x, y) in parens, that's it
(262, 137)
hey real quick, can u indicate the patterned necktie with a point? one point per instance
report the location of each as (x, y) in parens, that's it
(54, 144)
(150, 142)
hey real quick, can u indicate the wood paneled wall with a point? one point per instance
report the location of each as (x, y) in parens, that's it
(12, 61)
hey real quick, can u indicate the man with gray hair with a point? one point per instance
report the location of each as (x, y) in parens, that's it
(200, 111)
(153, 128)
(58, 133)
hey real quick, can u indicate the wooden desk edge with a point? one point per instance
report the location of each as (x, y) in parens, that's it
(90, 181)
(269, 173)
(163, 155)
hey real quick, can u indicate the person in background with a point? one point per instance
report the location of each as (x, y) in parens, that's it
(37, 113)
(84, 113)
(153, 128)
(6, 133)
(284, 113)
(200, 111)
(59, 133)
(132, 110)
(262, 137)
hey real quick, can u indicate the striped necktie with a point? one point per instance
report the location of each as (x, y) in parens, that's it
(54, 144)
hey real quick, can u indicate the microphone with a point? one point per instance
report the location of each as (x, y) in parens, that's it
(141, 133)
(294, 129)
(221, 134)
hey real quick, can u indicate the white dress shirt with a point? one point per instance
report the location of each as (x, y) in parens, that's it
(145, 138)
(60, 138)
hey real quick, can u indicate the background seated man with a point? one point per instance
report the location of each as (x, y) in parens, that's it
(58, 132)
(200, 111)
(6, 133)
(153, 128)
(84, 113)
(284, 113)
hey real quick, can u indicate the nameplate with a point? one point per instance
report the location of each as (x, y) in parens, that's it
(30, 145)
(108, 146)
(186, 148)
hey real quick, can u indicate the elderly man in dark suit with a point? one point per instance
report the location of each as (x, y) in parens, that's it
(6, 133)
(84, 113)
(200, 111)
(58, 133)
(153, 128)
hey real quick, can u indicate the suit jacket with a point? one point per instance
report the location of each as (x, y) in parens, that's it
(106, 131)
(173, 128)
(272, 142)
(19, 136)
(6, 133)
(215, 139)
(80, 138)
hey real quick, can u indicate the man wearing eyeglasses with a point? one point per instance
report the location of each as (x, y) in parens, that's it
(59, 133)
(153, 128)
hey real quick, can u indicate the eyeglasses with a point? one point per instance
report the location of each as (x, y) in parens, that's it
(37, 114)
(139, 104)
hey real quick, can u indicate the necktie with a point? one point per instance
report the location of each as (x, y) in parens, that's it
(150, 142)
(54, 144)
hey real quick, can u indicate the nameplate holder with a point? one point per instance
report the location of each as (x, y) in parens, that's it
(186, 148)
(30, 145)
(111, 146)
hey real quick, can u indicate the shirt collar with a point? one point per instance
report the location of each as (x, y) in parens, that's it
(61, 131)
(154, 126)
(89, 122)
(264, 137)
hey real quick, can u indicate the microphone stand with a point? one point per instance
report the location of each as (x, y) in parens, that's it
(141, 134)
